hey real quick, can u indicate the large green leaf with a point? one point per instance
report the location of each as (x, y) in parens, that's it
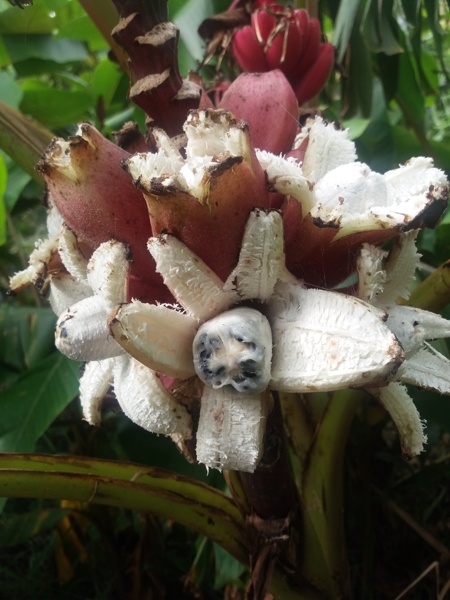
(44, 47)
(28, 407)
(379, 27)
(83, 29)
(10, 90)
(105, 82)
(42, 17)
(55, 108)
(345, 21)
(26, 335)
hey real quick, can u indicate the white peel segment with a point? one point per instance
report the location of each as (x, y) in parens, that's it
(37, 265)
(413, 326)
(166, 163)
(231, 429)
(395, 399)
(82, 331)
(54, 218)
(427, 368)
(285, 176)
(412, 181)
(107, 272)
(327, 149)
(157, 336)
(371, 273)
(208, 137)
(327, 341)
(261, 259)
(211, 134)
(71, 255)
(94, 384)
(145, 400)
(400, 266)
(195, 286)
(65, 291)
(354, 198)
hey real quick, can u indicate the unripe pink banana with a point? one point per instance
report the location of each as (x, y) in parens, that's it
(315, 78)
(268, 104)
(312, 47)
(248, 52)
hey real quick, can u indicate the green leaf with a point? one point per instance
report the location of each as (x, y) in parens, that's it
(26, 335)
(42, 17)
(188, 20)
(55, 108)
(83, 29)
(409, 94)
(345, 21)
(29, 407)
(377, 27)
(44, 47)
(3, 183)
(360, 76)
(356, 127)
(411, 9)
(10, 90)
(4, 56)
(228, 569)
(17, 181)
(19, 528)
(105, 81)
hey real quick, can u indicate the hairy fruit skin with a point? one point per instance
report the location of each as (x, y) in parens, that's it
(99, 202)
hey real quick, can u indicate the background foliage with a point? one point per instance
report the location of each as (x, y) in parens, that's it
(390, 88)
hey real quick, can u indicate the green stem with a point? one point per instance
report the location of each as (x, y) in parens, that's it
(23, 139)
(131, 486)
(325, 565)
(434, 292)
(299, 433)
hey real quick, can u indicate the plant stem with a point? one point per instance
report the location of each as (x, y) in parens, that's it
(136, 487)
(434, 292)
(299, 433)
(325, 564)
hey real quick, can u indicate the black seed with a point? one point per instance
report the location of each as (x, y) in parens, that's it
(247, 364)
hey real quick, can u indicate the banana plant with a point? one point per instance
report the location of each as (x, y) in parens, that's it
(221, 271)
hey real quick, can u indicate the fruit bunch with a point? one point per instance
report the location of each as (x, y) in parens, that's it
(279, 37)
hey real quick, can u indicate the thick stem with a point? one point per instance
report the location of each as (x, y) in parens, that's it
(299, 433)
(325, 565)
(270, 490)
(126, 485)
